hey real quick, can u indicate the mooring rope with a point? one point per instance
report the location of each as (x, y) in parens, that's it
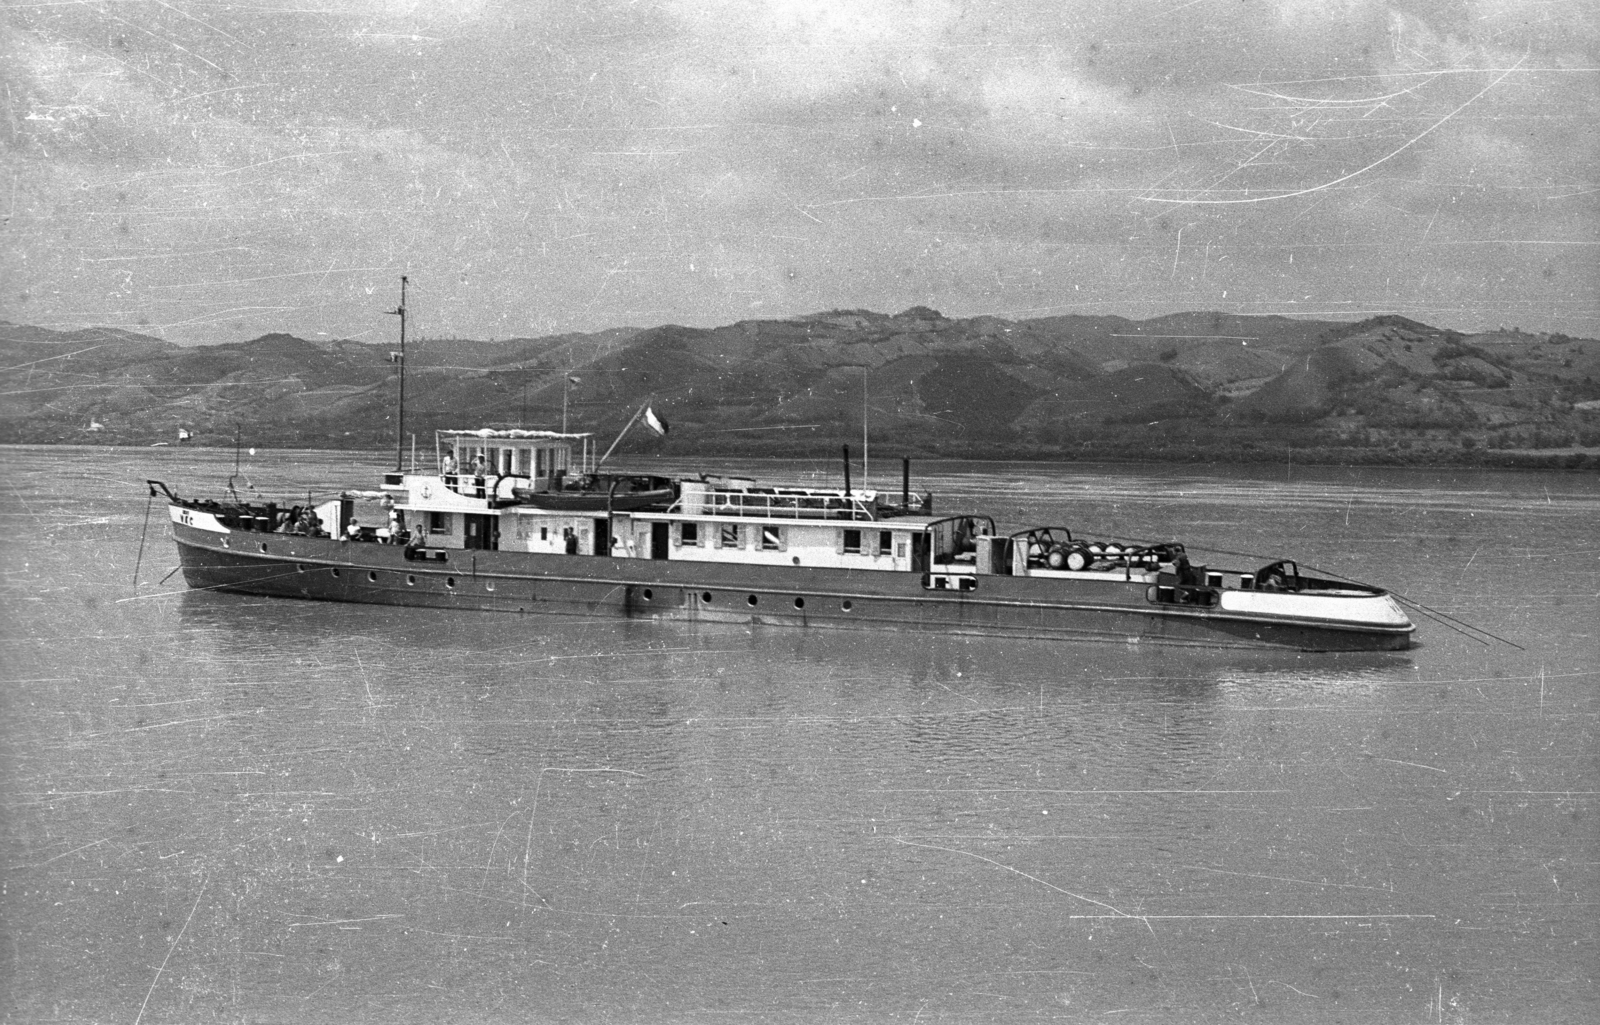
(146, 529)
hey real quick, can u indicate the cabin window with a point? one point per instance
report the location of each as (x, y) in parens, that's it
(852, 542)
(691, 534)
(438, 523)
(729, 536)
(885, 542)
(772, 539)
(544, 533)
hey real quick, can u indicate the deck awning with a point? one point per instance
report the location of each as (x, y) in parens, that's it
(493, 434)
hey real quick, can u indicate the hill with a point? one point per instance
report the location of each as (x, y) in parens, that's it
(1189, 386)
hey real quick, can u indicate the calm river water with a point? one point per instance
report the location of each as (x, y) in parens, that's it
(220, 808)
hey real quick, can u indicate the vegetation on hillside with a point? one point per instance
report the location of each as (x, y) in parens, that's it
(1197, 386)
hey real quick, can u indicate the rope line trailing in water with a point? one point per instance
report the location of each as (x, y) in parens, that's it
(213, 587)
(1444, 622)
(1432, 613)
(142, 532)
(1442, 618)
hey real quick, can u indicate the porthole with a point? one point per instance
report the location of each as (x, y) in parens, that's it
(336, 571)
(488, 585)
(450, 582)
(799, 603)
(752, 599)
(371, 576)
(648, 594)
(706, 597)
(263, 547)
(411, 580)
(846, 605)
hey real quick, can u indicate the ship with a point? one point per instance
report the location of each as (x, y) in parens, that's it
(530, 530)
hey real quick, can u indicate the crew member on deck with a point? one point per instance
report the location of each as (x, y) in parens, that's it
(353, 531)
(447, 465)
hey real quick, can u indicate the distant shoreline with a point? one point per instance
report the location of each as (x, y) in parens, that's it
(1572, 458)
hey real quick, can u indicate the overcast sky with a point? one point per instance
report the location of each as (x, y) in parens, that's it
(211, 171)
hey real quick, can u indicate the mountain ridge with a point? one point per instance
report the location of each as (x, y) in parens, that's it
(1200, 385)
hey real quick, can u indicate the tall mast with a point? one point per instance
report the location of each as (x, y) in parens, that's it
(400, 418)
(864, 449)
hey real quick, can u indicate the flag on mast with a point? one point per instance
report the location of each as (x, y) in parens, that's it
(655, 423)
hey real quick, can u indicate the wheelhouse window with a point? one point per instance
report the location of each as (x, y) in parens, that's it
(691, 534)
(852, 542)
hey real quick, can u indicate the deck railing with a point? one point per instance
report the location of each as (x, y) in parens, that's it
(776, 505)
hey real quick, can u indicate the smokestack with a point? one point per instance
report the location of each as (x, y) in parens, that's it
(905, 482)
(847, 469)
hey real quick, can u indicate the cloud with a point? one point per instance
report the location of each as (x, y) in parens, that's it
(581, 165)
(1047, 103)
(809, 48)
(67, 100)
(1317, 15)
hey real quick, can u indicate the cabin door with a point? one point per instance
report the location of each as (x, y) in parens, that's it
(602, 537)
(478, 531)
(660, 540)
(920, 544)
